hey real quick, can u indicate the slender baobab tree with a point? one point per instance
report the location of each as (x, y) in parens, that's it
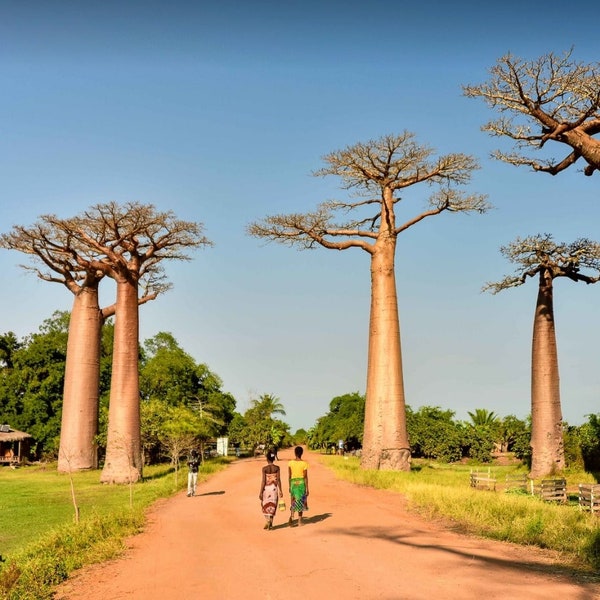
(540, 256)
(56, 258)
(378, 172)
(553, 98)
(129, 242)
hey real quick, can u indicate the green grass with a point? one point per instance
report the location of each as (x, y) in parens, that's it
(39, 539)
(443, 492)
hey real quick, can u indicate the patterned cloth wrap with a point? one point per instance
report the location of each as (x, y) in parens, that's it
(270, 496)
(298, 492)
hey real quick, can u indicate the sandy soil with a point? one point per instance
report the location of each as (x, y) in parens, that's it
(356, 543)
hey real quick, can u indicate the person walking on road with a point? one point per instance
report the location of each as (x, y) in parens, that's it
(270, 489)
(193, 464)
(298, 475)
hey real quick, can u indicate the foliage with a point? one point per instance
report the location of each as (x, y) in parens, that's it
(31, 382)
(258, 426)
(589, 436)
(434, 434)
(344, 421)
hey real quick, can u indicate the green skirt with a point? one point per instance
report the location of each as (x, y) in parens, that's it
(298, 493)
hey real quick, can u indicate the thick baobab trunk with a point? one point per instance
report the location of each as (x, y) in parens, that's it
(546, 415)
(385, 440)
(79, 425)
(123, 462)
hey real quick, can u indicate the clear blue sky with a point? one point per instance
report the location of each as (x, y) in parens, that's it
(221, 111)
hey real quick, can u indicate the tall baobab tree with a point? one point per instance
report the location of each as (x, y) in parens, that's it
(56, 258)
(378, 172)
(540, 256)
(129, 241)
(553, 98)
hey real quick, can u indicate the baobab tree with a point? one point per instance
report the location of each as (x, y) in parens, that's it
(553, 98)
(126, 243)
(378, 172)
(57, 258)
(540, 256)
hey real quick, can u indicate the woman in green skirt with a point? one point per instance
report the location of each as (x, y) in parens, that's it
(298, 474)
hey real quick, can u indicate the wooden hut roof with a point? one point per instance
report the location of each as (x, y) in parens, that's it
(8, 434)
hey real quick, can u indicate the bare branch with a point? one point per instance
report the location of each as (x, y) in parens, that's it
(553, 98)
(539, 252)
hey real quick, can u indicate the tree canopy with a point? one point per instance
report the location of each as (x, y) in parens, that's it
(550, 99)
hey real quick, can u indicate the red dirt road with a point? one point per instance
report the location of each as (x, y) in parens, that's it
(357, 543)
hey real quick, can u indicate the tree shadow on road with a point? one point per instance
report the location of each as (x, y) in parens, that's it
(219, 493)
(582, 576)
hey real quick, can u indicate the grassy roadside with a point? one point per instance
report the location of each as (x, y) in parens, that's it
(443, 491)
(40, 541)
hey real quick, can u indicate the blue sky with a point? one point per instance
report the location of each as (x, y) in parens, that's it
(221, 112)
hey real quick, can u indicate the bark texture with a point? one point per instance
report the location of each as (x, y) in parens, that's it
(123, 463)
(385, 442)
(79, 425)
(547, 444)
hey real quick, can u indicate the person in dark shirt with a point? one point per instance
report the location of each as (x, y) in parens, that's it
(193, 465)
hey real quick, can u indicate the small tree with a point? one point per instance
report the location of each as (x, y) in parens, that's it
(540, 256)
(380, 172)
(553, 98)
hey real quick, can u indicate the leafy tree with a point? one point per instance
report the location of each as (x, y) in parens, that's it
(181, 430)
(258, 425)
(31, 382)
(167, 371)
(379, 172)
(480, 441)
(514, 435)
(344, 421)
(540, 256)
(434, 434)
(589, 435)
(553, 98)
(237, 429)
(58, 258)
(132, 241)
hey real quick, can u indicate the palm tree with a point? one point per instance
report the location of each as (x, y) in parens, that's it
(268, 405)
(483, 417)
(540, 256)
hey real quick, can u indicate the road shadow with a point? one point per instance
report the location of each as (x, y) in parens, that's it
(582, 576)
(306, 521)
(219, 493)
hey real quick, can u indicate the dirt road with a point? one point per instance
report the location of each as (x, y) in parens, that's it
(357, 543)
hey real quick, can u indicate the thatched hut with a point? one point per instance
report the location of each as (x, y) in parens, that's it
(14, 445)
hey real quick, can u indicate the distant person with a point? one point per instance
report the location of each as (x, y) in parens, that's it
(193, 465)
(275, 450)
(298, 475)
(270, 489)
(341, 447)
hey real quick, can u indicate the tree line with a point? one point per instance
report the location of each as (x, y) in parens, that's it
(436, 434)
(182, 402)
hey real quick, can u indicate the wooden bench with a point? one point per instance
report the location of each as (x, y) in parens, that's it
(483, 480)
(553, 490)
(589, 497)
